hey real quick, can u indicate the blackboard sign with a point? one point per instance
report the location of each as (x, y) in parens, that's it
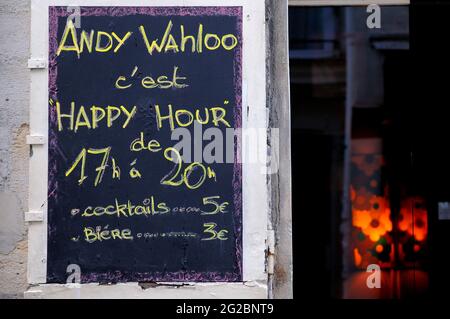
(145, 179)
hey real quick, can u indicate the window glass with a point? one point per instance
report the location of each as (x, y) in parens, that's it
(356, 204)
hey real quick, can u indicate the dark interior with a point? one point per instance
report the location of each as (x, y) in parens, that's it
(413, 131)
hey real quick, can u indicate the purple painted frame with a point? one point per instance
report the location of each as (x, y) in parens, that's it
(55, 13)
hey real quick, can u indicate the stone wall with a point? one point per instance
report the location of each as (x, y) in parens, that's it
(14, 152)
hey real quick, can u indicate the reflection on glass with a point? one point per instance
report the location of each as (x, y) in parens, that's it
(352, 167)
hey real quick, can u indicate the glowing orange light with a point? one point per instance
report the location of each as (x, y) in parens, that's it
(352, 193)
(374, 222)
(416, 226)
(379, 248)
(357, 256)
(360, 198)
(373, 183)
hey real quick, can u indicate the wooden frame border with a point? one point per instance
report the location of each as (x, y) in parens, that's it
(256, 198)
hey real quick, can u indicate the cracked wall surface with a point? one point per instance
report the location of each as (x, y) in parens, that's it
(278, 101)
(14, 152)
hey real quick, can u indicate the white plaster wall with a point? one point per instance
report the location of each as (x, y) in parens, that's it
(14, 152)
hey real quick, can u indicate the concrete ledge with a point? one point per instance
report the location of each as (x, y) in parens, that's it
(248, 290)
